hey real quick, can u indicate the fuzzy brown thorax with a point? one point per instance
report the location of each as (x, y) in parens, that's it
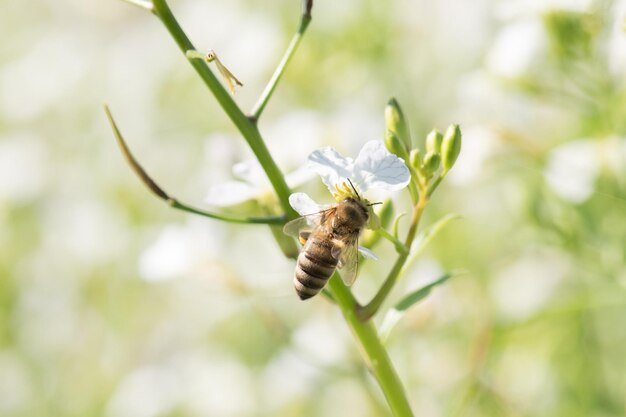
(351, 215)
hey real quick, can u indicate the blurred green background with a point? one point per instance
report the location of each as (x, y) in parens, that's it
(112, 304)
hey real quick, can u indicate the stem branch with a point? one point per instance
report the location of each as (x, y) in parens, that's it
(369, 310)
(159, 192)
(278, 73)
(247, 129)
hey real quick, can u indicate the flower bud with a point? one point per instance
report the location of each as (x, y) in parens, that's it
(415, 159)
(393, 145)
(431, 163)
(450, 147)
(395, 122)
(433, 141)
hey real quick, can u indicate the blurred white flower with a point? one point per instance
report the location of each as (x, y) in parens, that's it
(181, 250)
(146, 392)
(16, 383)
(23, 167)
(323, 341)
(525, 286)
(572, 170)
(617, 40)
(516, 48)
(480, 144)
(252, 184)
(287, 378)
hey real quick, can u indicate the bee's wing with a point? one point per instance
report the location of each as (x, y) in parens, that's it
(305, 223)
(348, 255)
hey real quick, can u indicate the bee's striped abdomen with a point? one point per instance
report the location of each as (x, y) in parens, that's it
(315, 265)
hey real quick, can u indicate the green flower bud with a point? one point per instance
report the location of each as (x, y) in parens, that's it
(431, 163)
(415, 160)
(433, 141)
(393, 145)
(450, 147)
(395, 122)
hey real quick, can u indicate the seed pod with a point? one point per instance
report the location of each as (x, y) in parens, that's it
(396, 122)
(393, 145)
(433, 141)
(431, 163)
(450, 147)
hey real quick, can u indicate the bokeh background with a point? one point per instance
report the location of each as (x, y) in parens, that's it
(113, 304)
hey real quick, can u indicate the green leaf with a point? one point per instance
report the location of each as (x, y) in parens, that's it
(420, 294)
(395, 314)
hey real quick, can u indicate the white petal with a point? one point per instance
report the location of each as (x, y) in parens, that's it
(367, 253)
(375, 167)
(304, 204)
(298, 177)
(331, 166)
(250, 171)
(231, 193)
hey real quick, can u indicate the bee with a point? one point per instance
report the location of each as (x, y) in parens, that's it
(330, 238)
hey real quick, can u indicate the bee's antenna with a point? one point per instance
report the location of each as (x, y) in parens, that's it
(374, 204)
(355, 191)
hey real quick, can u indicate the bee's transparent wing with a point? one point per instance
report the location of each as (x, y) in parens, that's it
(348, 256)
(294, 227)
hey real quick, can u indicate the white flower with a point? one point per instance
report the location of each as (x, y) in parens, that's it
(253, 184)
(374, 168)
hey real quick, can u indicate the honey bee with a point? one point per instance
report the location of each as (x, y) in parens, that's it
(330, 238)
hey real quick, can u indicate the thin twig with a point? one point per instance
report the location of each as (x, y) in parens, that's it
(258, 108)
(173, 202)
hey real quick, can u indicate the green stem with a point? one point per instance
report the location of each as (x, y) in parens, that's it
(400, 248)
(163, 195)
(225, 217)
(246, 127)
(373, 351)
(278, 73)
(435, 184)
(366, 312)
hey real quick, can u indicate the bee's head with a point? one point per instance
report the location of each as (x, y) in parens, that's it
(355, 208)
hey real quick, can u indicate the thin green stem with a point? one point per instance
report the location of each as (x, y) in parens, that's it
(414, 184)
(370, 309)
(163, 195)
(372, 349)
(289, 53)
(400, 248)
(432, 187)
(226, 217)
(246, 127)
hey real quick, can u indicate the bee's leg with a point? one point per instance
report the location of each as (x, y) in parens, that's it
(303, 237)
